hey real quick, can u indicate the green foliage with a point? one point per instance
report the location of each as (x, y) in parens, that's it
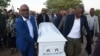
(57, 5)
(97, 12)
(4, 3)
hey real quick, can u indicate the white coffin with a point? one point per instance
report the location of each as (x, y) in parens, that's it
(51, 41)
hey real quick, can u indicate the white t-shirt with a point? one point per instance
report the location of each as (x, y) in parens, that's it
(75, 31)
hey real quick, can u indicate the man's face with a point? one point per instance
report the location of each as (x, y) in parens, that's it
(70, 11)
(79, 11)
(43, 11)
(92, 12)
(24, 11)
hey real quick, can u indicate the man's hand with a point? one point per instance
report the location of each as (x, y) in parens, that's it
(36, 45)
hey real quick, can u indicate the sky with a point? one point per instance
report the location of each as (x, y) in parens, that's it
(37, 5)
(91, 4)
(34, 5)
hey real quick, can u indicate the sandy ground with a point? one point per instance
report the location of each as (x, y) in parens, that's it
(6, 51)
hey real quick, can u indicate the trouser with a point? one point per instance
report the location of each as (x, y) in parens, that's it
(0, 43)
(97, 48)
(11, 41)
(73, 47)
(88, 45)
(2, 37)
(29, 51)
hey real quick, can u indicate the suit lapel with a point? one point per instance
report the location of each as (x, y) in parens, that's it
(81, 22)
(72, 21)
(25, 25)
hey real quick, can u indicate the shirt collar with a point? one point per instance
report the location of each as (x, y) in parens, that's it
(25, 18)
(92, 16)
(77, 18)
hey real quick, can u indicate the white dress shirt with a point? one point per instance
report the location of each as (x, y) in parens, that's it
(75, 31)
(91, 22)
(30, 27)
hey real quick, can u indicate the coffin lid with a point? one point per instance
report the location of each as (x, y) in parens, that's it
(49, 33)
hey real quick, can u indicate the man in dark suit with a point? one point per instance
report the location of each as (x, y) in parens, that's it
(94, 29)
(2, 28)
(73, 32)
(43, 17)
(58, 19)
(26, 32)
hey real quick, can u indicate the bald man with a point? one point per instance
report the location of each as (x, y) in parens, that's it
(26, 32)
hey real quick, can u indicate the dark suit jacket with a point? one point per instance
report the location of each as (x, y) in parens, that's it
(23, 38)
(40, 18)
(2, 21)
(58, 20)
(69, 24)
(62, 23)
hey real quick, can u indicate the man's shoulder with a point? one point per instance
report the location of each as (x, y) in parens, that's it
(2, 15)
(19, 19)
(95, 16)
(32, 17)
(88, 15)
(71, 16)
(84, 16)
(40, 15)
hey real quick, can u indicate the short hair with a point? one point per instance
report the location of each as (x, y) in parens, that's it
(24, 5)
(80, 6)
(92, 9)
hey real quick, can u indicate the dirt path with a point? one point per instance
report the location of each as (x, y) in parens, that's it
(6, 52)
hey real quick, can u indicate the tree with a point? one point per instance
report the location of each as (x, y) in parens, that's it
(57, 5)
(97, 12)
(4, 3)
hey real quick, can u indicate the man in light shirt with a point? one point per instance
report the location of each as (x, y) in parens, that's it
(94, 28)
(26, 32)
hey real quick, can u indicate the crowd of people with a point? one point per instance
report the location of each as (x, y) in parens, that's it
(19, 30)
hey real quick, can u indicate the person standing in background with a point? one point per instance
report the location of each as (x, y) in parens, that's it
(2, 28)
(52, 17)
(59, 18)
(94, 29)
(71, 11)
(10, 27)
(62, 22)
(43, 17)
(96, 51)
